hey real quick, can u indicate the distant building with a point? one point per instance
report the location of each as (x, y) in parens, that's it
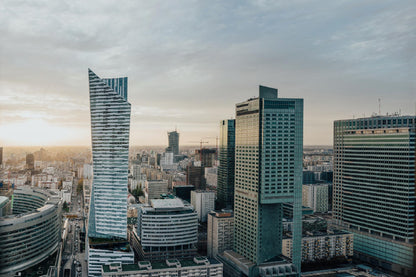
(220, 232)
(198, 266)
(319, 246)
(171, 220)
(316, 197)
(225, 182)
(173, 139)
(153, 189)
(183, 192)
(195, 176)
(211, 176)
(206, 156)
(1, 157)
(308, 177)
(203, 202)
(30, 162)
(5, 206)
(374, 189)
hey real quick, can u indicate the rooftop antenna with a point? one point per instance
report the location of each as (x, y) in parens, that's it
(379, 106)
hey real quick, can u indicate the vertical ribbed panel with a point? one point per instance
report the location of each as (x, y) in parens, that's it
(110, 127)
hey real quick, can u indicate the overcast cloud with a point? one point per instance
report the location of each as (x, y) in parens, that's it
(190, 62)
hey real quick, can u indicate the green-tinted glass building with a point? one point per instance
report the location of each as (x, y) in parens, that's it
(268, 173)
(374, 188)
(225, 184)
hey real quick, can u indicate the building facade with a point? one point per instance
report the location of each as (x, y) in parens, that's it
(165, 229)
(196, 267)
(318, 246)
(153, 189)
(220, 232)
(316, 197)
(203, 202)
(32, 233)
(268, 173)
(110, 129)
(374, 189)
(225, 182)
(173, 139)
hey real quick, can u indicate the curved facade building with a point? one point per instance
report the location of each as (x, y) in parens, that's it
(166, 229)
(32, 233)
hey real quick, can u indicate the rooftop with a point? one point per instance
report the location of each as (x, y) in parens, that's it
(171, 263)
(167, 203)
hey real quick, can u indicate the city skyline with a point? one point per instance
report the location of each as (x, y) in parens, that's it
(188, 72)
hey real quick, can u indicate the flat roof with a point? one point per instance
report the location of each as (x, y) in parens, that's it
(167, 203)
(158, 265)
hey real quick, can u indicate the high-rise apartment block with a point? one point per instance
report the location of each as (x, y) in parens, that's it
(220, 232)
(203, 202)
(316, 197)
(374, 189)
(110, 128)
(225, 182)
(268, 173)
(173, 139)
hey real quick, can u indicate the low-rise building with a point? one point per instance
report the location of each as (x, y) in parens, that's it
(318, 246)
(196, 267)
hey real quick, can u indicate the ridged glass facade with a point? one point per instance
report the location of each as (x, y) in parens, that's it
(268, 173)
(110, 127)
(374, 188)
(225, 183)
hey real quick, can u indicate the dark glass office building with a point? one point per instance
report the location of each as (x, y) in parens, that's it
(225, 183)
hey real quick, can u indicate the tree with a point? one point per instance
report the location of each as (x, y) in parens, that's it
(65, 207)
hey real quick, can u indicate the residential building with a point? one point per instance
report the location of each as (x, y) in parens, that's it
(203, 202)
(225, 183)
(196, 267)
(316, 197)
(374, 189)
(268, 173)
(110, 128)
(220, 232)
(166, 229)
(322, 246)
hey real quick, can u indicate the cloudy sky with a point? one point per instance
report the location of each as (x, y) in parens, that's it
(189, 62)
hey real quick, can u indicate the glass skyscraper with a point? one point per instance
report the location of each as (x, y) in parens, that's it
(110, 127)
(268, 173)
(225, 183)
(374, 188)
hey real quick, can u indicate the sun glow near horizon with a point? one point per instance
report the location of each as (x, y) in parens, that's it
(39, 132)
